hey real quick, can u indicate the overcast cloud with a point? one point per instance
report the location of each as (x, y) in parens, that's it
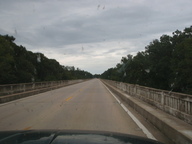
(92, 35)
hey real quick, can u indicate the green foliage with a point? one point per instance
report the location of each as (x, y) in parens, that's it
(7, 65)
(165, 64)
(17, 65)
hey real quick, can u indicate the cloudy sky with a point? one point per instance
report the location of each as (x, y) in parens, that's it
(92, 35)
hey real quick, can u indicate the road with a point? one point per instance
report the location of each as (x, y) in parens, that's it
(83, 106)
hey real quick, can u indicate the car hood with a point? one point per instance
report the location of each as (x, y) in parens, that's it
(70, 137)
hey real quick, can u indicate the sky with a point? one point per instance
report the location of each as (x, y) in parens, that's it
(92, 35)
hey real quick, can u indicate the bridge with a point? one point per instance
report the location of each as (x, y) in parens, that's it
(97, 104)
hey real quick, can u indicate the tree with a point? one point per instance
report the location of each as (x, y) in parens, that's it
(165, 64)
(159, 54)
(7, 65)
(182, 66)
(17, 65)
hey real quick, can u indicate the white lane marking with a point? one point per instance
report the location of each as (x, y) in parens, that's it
(140, 125)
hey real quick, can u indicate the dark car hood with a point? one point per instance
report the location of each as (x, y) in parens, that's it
(70, 137)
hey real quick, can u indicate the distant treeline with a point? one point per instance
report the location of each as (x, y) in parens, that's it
(17, 65)
(165, 64)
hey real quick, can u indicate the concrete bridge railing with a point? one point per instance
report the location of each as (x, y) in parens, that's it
(16, 91)
(23, 87)
(176, 104)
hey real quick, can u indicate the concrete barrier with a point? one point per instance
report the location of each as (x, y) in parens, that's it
(177, 130)
(176, 104)
(16, 91)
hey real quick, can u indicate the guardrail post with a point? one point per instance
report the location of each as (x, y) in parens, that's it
(162, 98)
(11, 89)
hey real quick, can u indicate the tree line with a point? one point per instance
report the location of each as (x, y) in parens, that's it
(166, 63)
(18, 65)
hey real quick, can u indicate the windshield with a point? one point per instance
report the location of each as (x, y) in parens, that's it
(57, 55)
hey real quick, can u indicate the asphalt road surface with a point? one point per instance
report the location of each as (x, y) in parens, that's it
(83, 106)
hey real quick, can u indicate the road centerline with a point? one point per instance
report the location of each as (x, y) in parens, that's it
(67, 99)
(27, 128)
